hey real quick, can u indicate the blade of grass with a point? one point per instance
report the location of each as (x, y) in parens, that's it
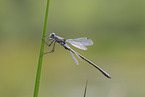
(85, 89)
(38, 75)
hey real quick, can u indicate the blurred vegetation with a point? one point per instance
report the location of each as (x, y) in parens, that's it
(116, 27)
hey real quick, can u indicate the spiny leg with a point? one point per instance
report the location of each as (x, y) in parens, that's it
(47, 43)
(47, 38)
(52, 48)
(50, 43)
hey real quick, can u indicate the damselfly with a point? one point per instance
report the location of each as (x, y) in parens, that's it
(80, 43)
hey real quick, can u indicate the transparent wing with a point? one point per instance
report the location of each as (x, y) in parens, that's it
(80, 42)
(71, 52)
(74, 58)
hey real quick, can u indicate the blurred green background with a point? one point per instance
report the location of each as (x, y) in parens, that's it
(116, 27)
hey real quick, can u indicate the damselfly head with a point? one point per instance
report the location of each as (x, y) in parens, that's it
(52, 35)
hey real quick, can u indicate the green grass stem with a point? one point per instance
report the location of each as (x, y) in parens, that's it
(38, 75)
(85, 92)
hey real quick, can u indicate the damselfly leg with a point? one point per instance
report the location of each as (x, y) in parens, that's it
(50, 45)
(48, 38)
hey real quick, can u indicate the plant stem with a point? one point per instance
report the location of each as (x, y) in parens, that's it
(85, 89)
(37, 81)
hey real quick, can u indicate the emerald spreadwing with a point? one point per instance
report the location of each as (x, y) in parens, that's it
(80, 43)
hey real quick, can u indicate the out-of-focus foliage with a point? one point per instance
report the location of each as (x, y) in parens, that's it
(116, 27)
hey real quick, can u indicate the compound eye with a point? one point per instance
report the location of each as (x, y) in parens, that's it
(52, 35)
